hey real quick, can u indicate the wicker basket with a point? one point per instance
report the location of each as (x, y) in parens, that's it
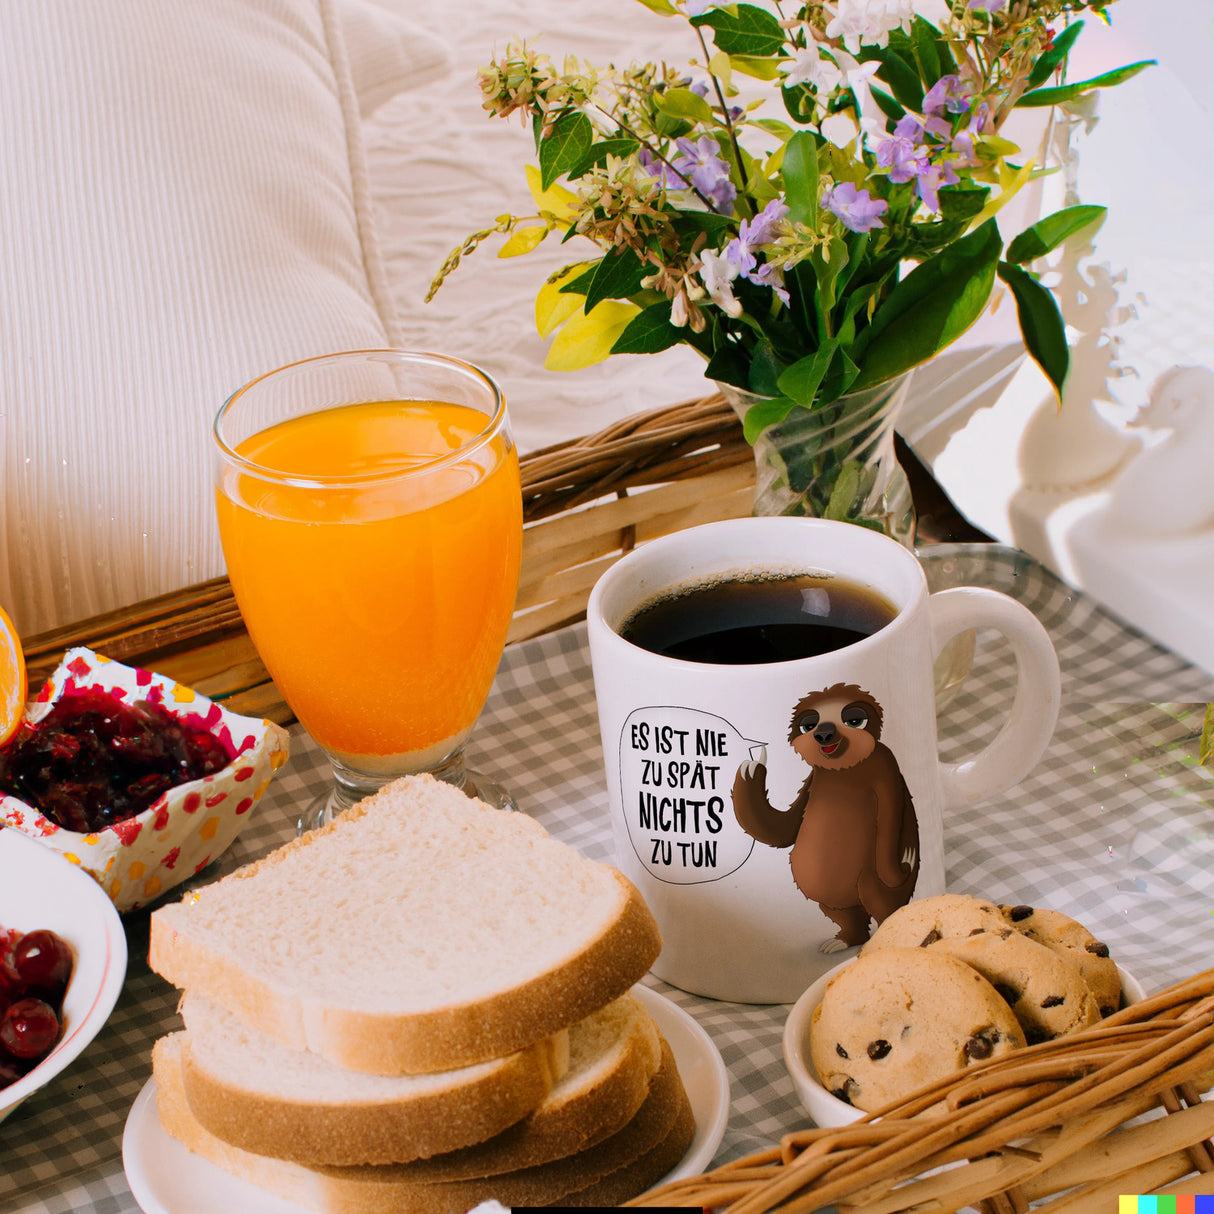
(585, 503)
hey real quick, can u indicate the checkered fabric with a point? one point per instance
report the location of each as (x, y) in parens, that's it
(1114, 827)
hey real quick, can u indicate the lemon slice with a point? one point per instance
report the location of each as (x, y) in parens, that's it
(13, 685)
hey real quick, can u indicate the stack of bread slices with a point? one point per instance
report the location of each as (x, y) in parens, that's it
(425, 1005)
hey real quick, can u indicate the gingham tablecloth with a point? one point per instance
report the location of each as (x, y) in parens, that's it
(1114, 827)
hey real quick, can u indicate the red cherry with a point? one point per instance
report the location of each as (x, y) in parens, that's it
(43, 963)
(29, 1028)
(10, 1071)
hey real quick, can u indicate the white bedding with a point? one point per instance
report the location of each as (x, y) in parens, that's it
(441, 168)
(190, 196)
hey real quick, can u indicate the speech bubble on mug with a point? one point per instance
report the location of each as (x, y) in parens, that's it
(677, 767)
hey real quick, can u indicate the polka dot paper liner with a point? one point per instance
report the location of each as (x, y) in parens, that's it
(137, 860)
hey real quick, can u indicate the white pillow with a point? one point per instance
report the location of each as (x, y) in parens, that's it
(387, 55)
(183, 206)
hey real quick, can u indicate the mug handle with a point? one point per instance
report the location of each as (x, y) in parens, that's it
(1030, 724)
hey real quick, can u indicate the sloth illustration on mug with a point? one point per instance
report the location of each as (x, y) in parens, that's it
(852, 827)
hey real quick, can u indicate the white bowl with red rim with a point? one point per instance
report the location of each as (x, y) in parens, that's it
(40, 889)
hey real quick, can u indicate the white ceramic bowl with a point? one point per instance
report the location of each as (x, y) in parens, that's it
(40, 889)
(827, 1110)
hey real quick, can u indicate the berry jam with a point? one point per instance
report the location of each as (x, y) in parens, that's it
(34, 972)
(95, 760)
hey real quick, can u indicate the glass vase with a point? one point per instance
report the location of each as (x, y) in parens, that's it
(835, 461)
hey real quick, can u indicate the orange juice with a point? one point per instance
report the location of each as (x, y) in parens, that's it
(379, 601)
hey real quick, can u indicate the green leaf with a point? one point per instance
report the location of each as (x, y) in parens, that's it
(799, 102)
(711, 222)
(662, 7)
(886, 104)
(765, 369)
(768, 411)
(684, 105)
(838, 379)
(1040, 323)
(961, 202)
(774, 126)
(844, 493)
(729, 365)
(564, 147)
(743, 29)
(616, 276)
(649, 332)
(930, 308)
(1065, 92)
(1052, 59)
(924, 41)
(756, 66)
(826, 273)
(799, 169)
(1048, 233)
(901, 76)
(597, 153)
(801, 381)
(580, 284)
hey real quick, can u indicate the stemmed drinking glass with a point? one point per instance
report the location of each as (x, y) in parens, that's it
(371, 517)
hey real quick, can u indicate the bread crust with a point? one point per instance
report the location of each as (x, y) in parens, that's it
(411, 1042)
(593, 1114)
(347, 1132)
(626, 1163)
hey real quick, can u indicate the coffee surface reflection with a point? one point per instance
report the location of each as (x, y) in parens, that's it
(758, 618)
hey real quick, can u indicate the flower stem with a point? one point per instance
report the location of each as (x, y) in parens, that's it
(729, 126)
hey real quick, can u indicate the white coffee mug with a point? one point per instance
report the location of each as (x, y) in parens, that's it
(772, 814)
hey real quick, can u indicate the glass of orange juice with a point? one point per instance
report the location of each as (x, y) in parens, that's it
(371, 517)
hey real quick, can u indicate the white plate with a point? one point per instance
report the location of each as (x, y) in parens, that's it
(165, 1178)
(40, 889)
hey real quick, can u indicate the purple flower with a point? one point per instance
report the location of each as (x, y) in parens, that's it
(904, 158)
(909, 127)
(856, 209)
(768, 275)
(654, 166)
(949, 93)
(752, 235)
(937, 175)
(708, 173)
(764, 228)
(963, 141)
(988, 6)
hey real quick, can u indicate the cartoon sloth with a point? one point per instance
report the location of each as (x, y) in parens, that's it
(852, 828)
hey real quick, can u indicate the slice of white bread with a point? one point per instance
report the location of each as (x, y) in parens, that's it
(264, 1097)
(420, 931)
(256, 1093)
(631, 1160)
(614, 1055)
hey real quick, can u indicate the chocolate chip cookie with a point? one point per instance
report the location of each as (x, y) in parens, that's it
(1072, 940)
(1046, 991)
(944, 916)
(898, 1018)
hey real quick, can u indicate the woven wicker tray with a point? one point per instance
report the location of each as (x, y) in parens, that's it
(1068, 1126)
(585, 503)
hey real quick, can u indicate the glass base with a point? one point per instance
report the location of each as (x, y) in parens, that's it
(322, 809)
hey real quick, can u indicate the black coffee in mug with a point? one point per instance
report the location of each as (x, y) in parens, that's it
(761, 617)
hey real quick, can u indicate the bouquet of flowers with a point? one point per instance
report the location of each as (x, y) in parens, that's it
(811, 204)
